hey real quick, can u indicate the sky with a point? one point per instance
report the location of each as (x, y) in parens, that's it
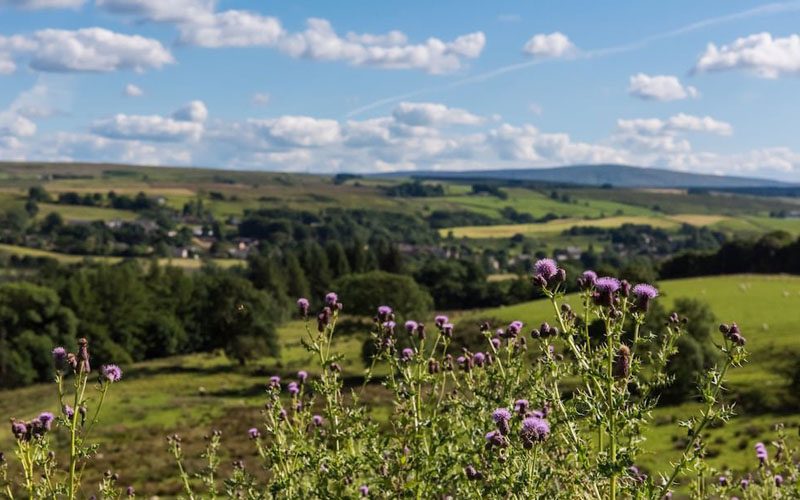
(372, 86)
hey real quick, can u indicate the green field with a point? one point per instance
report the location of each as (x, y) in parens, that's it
(192, 394)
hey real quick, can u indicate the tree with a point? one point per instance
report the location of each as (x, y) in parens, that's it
(337, 259)
(296, 281)
(315, 265)
(363, 293)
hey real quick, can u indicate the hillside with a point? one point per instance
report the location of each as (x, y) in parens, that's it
(599, 175)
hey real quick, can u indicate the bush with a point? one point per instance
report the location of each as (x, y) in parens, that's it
(366, 291)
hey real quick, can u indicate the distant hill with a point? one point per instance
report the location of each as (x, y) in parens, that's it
(599, 175)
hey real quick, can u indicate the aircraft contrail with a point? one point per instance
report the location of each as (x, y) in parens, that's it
(773, 8)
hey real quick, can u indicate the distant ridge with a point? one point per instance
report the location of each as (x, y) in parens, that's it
(599, 175)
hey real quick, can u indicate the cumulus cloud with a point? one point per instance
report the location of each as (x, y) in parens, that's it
(760, 54)
(427, 114)
(132, 90)
(84, 50)
(231, 28)
(159, 10)
(299, 131)
(18, 119)
(660, 88)
(553, 45)
(185, 124)
(678, 123)
(42, 4)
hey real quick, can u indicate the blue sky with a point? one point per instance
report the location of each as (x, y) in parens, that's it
(320, 86)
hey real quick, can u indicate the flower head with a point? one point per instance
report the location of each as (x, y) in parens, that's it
(59, 356)
(521, 406)
(533, 430)
(778, 480)
(644, 293)
(275, 382)
(46, 419)
(331, 299)
(112, 373)
(447, 329)
(761, 452)
(317, 420)
(19, 429)
(406, 354)
(254, 433)
(384, 312)
(607, 284)
(411, 326)
(302, 306)
(546, 268)
(587, 279)
(501, 415)
(494, 438)
(364, 490)
(441, 320)
(293, 388)
(302, 375)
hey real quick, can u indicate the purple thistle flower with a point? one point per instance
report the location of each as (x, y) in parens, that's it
(447, 329)
(19, 429)
(406, 354)
(521, 406)
(364, 490)
(501, 416)
(302, 375)
(130, 491)
(112, 373)
(441, 320)
(494, 438)
(389, 326)
(514, 328)
(607, 284)
(545, 268)
(472, 473)
(533, 431)
(317, 420)
(283, 415)
(587, 279)
(744, 483)
(331, 299)
(411, 326)
(643, 294)
(384, 312)
(723, 480)
(68, 411)
(59, 356)
(46, 419)
(778, 480)
(479, 358)
(302, 306)
(293, 388)
(275, 382)
(254, 433)
(761, 452)
(496, 343)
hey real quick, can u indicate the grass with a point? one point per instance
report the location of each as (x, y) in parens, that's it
(81, 213)
(188, 264)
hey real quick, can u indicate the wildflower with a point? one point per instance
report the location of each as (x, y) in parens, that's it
(406, 354)
(644, 293)
(533, 430)
(130, 491)
(302, 306)
(388, 326)
(521, 406)
(364, 490)
(317, 420)
(282, 415)
(605, 288)
(302, 375)
(733, 333)
(447, 330)
(68, 411)
(723, 481)
(587, 279)
(501, 416)
(544, 331)
(778, 480)
(494, 438)
(254, 433)
(59, 357)
(331, 299)
(275, 382)
(513, 329)
(112, 373)
(336, 367)
(440, 320)
(624, 288)
(479, 358)
(46, 420)
(384, 313)
(761, 452)
(411, 326)
(472, 473)
(744, 483)
(545, 268)
(622, 362)
(495, 343)
(293, 388)
(19, 430)
(324, 318)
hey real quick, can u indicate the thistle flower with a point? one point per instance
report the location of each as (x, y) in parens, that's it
(722, 480)
(302, 306)
(447, 330)
(546, 268)
(644, 293)
(587, 280)
(302, 375)
(293, 388)
(533, 430)
(275, 382)
(384, 313)
(744, 483)
(472, 473)
(494, 438)
(389, 326)
(406, 354)
(605, 288)
(496, 343)
(433, 366)
(68, 411)
(364, 490)
(129, 491)
(479, 358)
(440, 320)
(282, 415)
(521, 406)
(331, 299)
(46, 419)
(411, 326)
(19, 430)
(59, 357)
(778, 480)
(112, 373)
(254, 433)
(761, 452)
(513, 329)
(501, 416)
(317, 420)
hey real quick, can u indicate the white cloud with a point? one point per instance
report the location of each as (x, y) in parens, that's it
(659, 88)
(185, 124)
(678, 123)
(426, 114)
(18, 120)
(195, 111)
(159, 10)
(760, 54)
(298, 131)
(43, 4)
(83, 50)
(260, 98)
(132, 90)
(553, 45)
(231, 28)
